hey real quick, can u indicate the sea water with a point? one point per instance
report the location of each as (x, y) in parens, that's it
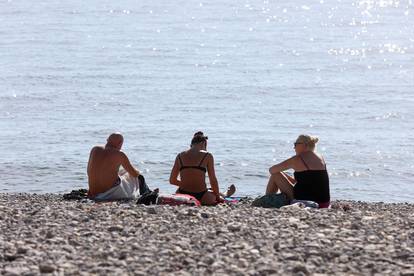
(251, 74)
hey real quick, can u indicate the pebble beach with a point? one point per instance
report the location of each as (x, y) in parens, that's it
(45, 234)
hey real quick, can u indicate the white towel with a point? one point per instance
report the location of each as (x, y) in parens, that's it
(127, 189)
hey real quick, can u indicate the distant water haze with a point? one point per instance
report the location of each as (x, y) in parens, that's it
(252, 75)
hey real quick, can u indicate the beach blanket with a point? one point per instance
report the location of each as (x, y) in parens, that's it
(184, 199)
(306, 203)
(233, 199)
(178, 199)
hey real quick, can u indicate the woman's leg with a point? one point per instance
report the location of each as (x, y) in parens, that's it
(279, 181)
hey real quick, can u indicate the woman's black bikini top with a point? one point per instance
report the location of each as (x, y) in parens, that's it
(199, 167)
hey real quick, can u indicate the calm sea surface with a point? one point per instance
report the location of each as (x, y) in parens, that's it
(253, 75)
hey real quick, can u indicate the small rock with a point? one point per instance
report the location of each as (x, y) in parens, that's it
(370, 247)
(267, 271)
(343, 258)
(115, 228)
(407, 273)
(151, 210)
(11, 271)
(293, 220)
(22, 250)
(49, 235)
(187, 261)
(290, 256)
(300, 268)
(123, 255)
(204, 215)
(234, 227)
(68, 248)
(10, 257)
(46, 268)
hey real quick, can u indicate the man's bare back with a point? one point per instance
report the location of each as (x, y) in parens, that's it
(104, 163)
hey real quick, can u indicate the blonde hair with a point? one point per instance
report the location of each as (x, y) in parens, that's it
(309, 141)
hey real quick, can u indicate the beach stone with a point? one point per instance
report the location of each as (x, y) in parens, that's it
(300, 268)
(188, 261)
(243, 263)
(182, 273)
(343, 258)
(22, 250)
(115, 228)
(234, 227)
(290, 256)
(267, 271)
(204, 215)
(370, 247)
(10, 257)
(123, 255)
(293, 220)
(11, 271)
(151, 210)
(46, 268)
(49, 235)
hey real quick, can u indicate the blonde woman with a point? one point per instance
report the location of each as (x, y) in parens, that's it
(310, 181)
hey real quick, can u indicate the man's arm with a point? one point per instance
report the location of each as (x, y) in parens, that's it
(127, 165)
(212, 176)
(89, 168)
(174, 174)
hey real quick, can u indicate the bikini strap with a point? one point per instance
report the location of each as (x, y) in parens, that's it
(204, 157)
(323, 159)
(304, 162)
(181, 161)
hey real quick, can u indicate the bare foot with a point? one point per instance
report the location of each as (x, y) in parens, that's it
(231, 190)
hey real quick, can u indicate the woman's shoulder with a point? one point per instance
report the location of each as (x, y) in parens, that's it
(318, 156)
(311, 153)
(295, 160)
(314, 159)
(183, 153)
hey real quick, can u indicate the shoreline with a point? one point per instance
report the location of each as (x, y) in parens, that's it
(42, 233)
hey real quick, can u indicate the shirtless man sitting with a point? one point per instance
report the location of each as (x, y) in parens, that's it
(105, 182)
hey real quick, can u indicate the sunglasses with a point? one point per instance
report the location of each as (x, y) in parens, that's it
(295, 144)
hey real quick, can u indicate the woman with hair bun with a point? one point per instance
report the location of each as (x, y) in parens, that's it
(192, 166)
(310, 181)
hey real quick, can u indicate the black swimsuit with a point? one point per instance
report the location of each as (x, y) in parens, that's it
(198, 195)
(312, 185)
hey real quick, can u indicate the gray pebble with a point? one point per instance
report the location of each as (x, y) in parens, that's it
(46, 268)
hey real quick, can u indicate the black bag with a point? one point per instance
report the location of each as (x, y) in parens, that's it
(148, 198)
